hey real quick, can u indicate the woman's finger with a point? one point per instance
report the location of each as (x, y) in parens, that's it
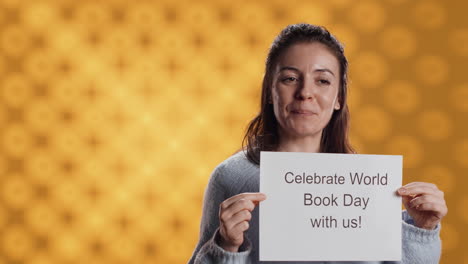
(439, 209)
(413, 184)
(238, 217)
(417, 190)
(415, 202)
(239, 205)
(241, 227)
(244, 201)
(242, 204)
(235, 232)
(254, 197)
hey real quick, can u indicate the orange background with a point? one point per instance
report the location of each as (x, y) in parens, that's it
(114, 113)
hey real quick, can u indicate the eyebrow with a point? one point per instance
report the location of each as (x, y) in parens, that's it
(295, 69)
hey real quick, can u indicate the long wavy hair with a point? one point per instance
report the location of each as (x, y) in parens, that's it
(262, 132)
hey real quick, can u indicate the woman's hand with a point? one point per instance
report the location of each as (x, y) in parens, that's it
(425, 203)
(234, 217)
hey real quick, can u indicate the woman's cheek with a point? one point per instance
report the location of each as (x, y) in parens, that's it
(327, 102)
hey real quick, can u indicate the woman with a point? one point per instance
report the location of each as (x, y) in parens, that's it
(303, 109)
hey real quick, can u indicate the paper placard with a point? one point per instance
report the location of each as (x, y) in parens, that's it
(330, 207)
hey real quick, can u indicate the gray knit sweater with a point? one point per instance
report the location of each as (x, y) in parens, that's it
(237, 175)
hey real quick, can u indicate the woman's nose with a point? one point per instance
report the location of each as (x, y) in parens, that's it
(305, 90)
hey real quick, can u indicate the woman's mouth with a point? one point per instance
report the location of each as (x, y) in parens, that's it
(302, 112)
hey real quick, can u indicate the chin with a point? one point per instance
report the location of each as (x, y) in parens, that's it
(306, 132)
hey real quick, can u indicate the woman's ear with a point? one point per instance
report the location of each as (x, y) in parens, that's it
(337, 105)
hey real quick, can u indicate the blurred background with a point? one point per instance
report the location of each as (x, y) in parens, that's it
(114, 113)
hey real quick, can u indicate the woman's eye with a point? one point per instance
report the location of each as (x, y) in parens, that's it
(289, 79)
(323, 81)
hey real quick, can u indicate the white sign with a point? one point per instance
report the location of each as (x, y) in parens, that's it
(330, 207)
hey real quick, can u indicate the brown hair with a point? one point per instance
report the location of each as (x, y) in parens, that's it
(262, 131)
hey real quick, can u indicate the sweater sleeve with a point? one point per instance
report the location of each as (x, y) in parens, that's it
(207, 250)
(420, 246)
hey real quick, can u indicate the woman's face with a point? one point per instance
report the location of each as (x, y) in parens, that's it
(305, 89)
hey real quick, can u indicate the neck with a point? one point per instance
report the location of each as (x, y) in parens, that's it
(289, 143)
